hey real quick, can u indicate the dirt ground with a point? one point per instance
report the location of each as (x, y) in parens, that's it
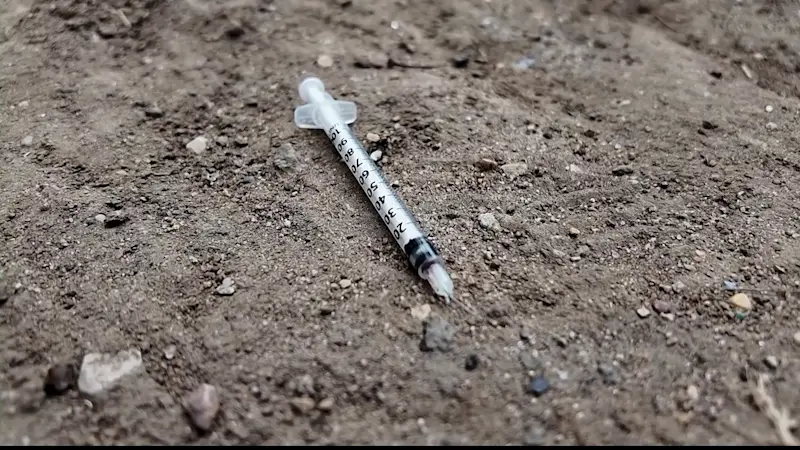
(661, 178)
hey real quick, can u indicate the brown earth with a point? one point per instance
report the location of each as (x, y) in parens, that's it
(664, 132)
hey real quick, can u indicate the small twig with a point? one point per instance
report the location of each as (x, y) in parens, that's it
(124, 18)
(747, 72)
(120, 15)
(664, 23)
(781, 418)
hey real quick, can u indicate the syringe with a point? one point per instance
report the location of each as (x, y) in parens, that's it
(321, 111)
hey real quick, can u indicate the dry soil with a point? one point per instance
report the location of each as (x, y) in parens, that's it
(661, 171)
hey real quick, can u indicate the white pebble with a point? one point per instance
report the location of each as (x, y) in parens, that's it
(692, 392)
(514, 169)
(198, 145)
(772, 126)
(421, 312)
(768, 108)
(228, 287)
(324, 61)
(772, 362)
(488, 221)
(741, 301)
(102, 371)
(170, 352)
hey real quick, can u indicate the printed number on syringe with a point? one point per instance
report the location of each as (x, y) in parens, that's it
(346, 153)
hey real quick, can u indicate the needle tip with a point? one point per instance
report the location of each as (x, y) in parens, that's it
(440, 281)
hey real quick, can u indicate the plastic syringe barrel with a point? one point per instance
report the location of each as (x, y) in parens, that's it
(322, 111)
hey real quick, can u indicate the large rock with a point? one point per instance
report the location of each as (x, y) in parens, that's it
(101, 372)
(202, 406)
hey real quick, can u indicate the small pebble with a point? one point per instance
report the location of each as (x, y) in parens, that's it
(344, 284)
(60, 379)
(709, 125)
(643, 312)
(373, 137)
(768, 108)
(115, 220)
(741, 301)
(198, 145)
(421, 312)
(326, 310)
(796, 338)
(202, 406)
(574, 232)
(286, 158)
(326, 404)
(240, 141)
(609, 373)
(460, 61)
(514, 169)
(154, 112)
(538, 385)
(228, 287)
(170, 352)
(100, 218)
(376, 155)
(27, 141)
(472, 362)
(730, 285)
(324, 61)
(692, 392)
(771, 362)
(661, 307)
(526, 335)
(303, 405)
(304, 385)
(772, 126)
(622, 171)
(488, 221)
(486, 164)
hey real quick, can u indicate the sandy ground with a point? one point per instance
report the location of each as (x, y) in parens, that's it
(660, 178)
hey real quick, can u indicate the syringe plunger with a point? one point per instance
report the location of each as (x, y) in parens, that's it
(321, 110)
